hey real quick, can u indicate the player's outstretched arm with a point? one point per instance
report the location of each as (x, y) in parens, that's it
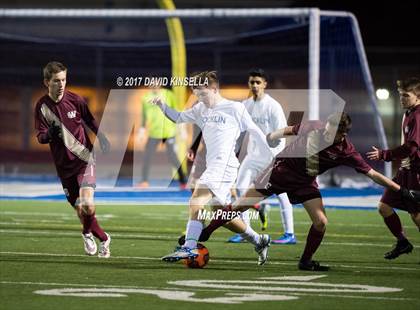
(407, 149)
(382, 180)
(407, 194)
(375, 154)
(273, 138)
(170, 113)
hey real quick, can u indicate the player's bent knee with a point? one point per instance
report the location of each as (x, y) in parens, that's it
(321, 224)
(385, 210)
(87, 206)
(194, 210)
(89, 210)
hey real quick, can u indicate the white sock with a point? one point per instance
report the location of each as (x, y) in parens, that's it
(251, 236)
(245, 217)
(286, 212)
(194, 229)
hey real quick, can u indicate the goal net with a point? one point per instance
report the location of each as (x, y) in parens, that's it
(300, 49)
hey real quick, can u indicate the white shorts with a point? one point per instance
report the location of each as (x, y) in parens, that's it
(248, 171)
(220, 181)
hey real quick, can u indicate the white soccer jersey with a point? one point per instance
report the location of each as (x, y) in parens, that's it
(268, 115)
(221, 127)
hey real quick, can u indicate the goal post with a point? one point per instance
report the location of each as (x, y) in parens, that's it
(329, 64)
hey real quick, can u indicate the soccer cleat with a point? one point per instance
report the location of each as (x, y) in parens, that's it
(180, 253)
(104, 251)
(263, 213)
(312, 265)
(90, 244)
(236, 239)
(262, 249)
(285, 239)
(402, 247)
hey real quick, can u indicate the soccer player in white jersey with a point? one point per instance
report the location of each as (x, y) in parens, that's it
(268, 115)
(221, 122)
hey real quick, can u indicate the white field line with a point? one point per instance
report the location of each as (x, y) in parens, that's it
(68, 214)
(171, 236)
(182, 215)
(73, 220)
(194, 289)
(36, 221)
(213, 260)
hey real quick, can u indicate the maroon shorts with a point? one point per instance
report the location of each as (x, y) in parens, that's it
(279, 178)
(71, 186)
(406, 178)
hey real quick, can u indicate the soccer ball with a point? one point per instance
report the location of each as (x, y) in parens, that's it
(201, 260)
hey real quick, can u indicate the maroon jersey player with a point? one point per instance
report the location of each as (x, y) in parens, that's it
(408, 175)
(296, 176)
(60, 120)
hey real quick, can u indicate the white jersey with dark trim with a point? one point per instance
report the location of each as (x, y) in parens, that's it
(221, 126)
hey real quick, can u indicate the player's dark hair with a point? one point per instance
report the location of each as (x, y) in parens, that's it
(51, 68)
(259, 73)
(210, 76)
(411, 84)
(343, 120)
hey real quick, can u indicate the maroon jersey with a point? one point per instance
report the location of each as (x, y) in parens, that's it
(296, 176)
(409, 151)
(311, 135)
(72, 151)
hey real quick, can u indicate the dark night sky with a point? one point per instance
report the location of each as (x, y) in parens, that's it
(384, 24)
(390, 30)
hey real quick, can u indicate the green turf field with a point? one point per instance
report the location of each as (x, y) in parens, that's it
(43, 266)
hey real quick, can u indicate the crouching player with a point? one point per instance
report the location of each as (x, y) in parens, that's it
(409, 171)
(296, 176)
(60, 117)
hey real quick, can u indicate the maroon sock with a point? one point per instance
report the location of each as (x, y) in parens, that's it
(90, 224)
(313, 240)
(394, 225)
(87, 223)
(215, 224)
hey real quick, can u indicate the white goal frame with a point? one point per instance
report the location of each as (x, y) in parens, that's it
(313, 14)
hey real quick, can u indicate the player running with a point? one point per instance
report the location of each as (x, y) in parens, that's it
(408, 174)
(221, 122)
(268, 115)
(60, 117)
(296, 176)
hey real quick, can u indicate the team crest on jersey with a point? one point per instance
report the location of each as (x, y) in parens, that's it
(71, 114)
(406, 129)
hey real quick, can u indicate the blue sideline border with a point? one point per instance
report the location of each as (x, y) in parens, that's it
(175, 197)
